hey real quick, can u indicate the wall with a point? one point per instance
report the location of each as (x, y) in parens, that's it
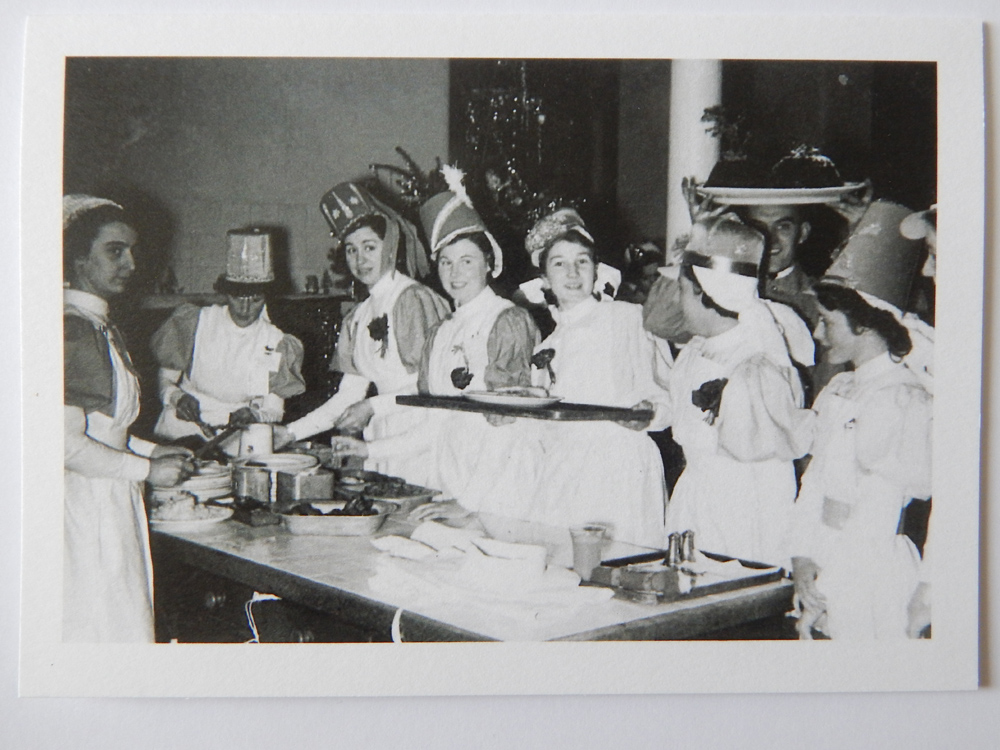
(643, 141)
(207, 145)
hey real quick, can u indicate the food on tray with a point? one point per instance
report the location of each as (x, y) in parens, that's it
(181, 506)
(358, 506)
(519, 390)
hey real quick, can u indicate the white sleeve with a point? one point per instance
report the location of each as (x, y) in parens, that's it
(353, 388)
(141, 447)
(84, 455)
(170, 392)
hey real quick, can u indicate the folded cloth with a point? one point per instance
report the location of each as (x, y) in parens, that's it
(442, 537)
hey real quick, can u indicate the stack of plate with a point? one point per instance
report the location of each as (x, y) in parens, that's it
(212, 481)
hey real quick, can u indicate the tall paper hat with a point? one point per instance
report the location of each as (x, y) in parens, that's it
(877, 259)
(450, 215)
(249, 265)
(344, 205)
(725, 255)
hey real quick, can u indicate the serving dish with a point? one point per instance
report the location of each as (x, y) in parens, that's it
(323, 525)
(732, 196)
(287, 462)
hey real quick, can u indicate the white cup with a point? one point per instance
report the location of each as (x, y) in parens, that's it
(257, 440)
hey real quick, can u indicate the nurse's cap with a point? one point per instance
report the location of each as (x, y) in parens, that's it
(344, 205)
(77, 204)
(450, 215)
(249, 264)
(877, 259)
(725, 255)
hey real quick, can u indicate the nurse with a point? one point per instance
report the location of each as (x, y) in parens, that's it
(856, 577)
(227, 364)
(107, 572)
(382, 339)
(736, 401)
(486, 344)
(598, 353)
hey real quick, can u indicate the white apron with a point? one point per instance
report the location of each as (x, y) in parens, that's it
(107, 571)
(868, 572)
(486, 468)
(735, 508)
(601, 471)
(230, 368)
(386, 370)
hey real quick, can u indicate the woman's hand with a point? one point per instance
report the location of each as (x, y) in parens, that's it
(343, 447)
(188, 408)
(243, 417)
(355, 417)
(852, 206)
(813, 603)
(162, 451)
(638, 424)
(168, 471)
(498, 420)
(700, 206)
(439, 510)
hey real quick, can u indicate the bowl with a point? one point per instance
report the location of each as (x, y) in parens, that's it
(338, 525)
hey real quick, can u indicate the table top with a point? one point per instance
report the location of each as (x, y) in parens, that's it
(337, 575)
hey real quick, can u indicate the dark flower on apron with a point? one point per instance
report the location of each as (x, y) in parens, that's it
(543, 359)
(708, 397)
(378, 329)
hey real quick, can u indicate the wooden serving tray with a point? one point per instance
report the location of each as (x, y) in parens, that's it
(650, 586)
(561, 411)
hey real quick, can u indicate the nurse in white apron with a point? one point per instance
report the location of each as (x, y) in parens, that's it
(485, 345)
(382, 339)
(107, 572)
(855, 573)
(228, 363)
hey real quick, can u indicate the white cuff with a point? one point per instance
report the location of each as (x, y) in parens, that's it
(352, 389)
(140, 447)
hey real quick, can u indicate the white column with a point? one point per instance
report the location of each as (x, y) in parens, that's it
(694, 85)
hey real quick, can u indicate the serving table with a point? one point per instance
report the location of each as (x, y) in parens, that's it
(205, 578)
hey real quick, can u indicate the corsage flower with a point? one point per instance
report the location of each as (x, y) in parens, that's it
(708, 398)
(543, 359)
(460, 376)
(378, 329)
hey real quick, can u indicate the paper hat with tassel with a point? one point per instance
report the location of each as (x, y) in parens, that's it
(877, 260)
(249, 264)
(450, 215)
(343, 207)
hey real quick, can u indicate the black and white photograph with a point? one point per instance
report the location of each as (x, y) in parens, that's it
(370, 354)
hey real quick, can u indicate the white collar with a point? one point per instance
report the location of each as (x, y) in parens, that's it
(784, 272)
(480, 301)
(874, 367)
(86, 301)
(577, 312)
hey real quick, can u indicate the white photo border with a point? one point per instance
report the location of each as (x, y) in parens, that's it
(948, 661)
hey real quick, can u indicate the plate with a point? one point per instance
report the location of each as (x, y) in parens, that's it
(287, 462)
(218, 515)
(778, 196)
(511, 399)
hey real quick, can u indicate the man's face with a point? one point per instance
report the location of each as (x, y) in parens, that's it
(785, 230)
